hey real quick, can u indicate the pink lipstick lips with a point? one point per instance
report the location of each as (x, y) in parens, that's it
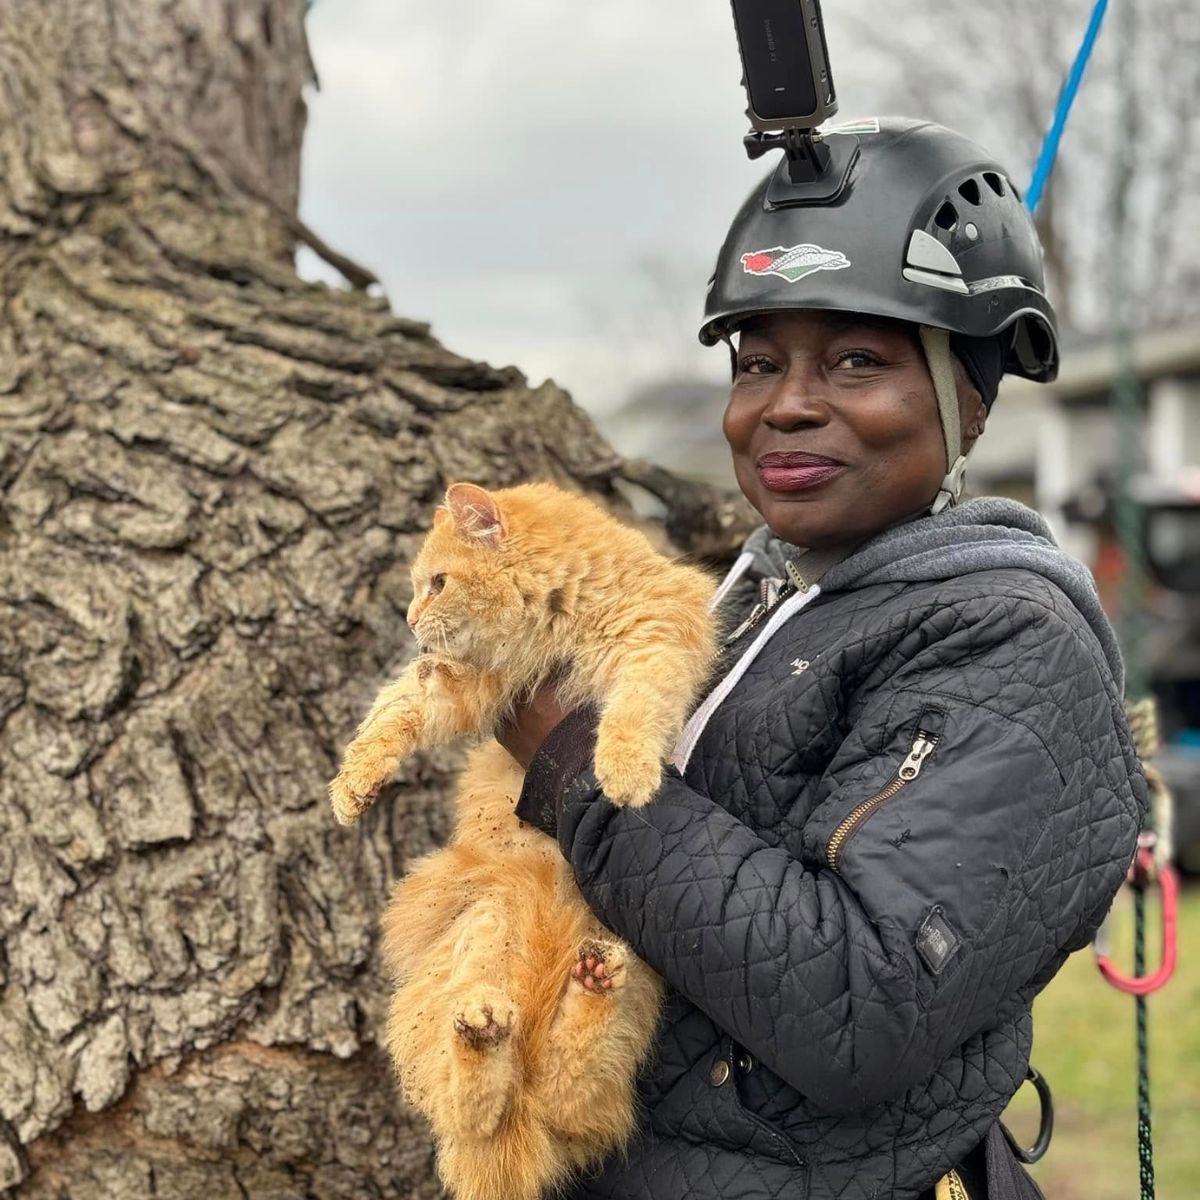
(794, 471)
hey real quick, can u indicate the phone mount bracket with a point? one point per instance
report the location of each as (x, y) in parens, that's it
(814, 170)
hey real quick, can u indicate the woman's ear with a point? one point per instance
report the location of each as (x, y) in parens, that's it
(975, 423)
(972, 412)
(476, 514)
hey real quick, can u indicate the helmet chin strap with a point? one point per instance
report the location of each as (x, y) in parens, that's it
(936, 344)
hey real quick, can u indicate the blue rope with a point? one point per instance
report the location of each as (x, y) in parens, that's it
(1045, 162)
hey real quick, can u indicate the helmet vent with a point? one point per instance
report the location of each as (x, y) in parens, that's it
(946, 217)
(994, 181)
(969, 191)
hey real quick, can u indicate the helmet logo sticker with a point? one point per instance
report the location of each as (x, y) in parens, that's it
(793, 262)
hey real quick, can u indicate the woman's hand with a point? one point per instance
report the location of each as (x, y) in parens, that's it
(523, 732)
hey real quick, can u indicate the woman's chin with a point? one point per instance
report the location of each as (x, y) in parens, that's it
(802, 519)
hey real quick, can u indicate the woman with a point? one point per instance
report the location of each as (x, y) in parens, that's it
(911, 792)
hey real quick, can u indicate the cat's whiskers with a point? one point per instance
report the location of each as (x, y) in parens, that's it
(433, 638)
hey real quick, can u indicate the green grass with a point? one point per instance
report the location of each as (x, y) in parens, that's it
(1084, 1043)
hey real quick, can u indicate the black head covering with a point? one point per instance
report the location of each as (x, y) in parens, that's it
(983, 359)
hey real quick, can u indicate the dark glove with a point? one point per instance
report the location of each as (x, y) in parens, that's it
(564, 754)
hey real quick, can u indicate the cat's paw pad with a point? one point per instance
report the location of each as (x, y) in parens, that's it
(351, 797)
(629, 775)
(601, 967)
(485, 1021)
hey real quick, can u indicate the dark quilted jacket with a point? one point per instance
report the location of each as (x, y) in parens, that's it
(850, 987)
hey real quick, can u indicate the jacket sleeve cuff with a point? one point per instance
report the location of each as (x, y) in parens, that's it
(562, 757)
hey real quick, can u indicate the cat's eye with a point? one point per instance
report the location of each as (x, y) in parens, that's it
(436, 584)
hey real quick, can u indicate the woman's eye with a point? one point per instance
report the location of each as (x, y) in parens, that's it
(436, 584)
(754, 364)
(852, 359)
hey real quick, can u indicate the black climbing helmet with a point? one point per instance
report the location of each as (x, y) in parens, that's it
(927, 227)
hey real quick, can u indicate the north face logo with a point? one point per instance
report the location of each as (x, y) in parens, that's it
(936, 940)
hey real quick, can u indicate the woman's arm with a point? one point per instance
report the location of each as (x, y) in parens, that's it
(963, 891)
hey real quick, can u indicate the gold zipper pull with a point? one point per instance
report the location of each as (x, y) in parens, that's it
(922, 747)
(910, 768)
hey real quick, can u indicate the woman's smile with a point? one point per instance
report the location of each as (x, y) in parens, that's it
(796, 471)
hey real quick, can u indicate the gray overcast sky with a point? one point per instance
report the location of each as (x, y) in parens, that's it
(548, 183)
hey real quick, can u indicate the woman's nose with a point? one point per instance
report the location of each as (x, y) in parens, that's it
(797, 402)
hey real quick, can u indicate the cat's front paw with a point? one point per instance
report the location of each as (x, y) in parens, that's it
(351, 796)
(627, 769)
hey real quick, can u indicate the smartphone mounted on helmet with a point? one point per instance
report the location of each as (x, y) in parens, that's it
(789, 86)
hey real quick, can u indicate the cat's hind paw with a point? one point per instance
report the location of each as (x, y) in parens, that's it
(485, 1021)
(485, 1065)
(601, 967)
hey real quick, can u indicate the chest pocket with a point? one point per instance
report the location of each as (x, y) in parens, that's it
(933, 832)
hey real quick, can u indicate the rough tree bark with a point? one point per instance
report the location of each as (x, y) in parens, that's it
(212, 475)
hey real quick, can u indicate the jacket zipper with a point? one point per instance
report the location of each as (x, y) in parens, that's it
(765, 604)
(768, 598)
(910, 768)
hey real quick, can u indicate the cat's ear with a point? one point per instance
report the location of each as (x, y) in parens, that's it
(476, 514)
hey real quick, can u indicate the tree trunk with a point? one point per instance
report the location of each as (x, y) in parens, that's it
(212, 476)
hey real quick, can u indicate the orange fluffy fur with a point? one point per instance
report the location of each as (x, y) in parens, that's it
(525, 1073)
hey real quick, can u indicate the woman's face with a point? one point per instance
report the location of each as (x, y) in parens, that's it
(833, 424)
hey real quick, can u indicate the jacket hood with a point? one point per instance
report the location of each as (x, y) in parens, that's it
(981, 535)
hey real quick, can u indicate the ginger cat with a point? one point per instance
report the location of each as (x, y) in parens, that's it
(518, 1021)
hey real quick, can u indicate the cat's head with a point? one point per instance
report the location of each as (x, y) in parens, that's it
(466, 600)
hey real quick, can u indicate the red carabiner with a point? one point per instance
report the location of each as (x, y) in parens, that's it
(1142, 871)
